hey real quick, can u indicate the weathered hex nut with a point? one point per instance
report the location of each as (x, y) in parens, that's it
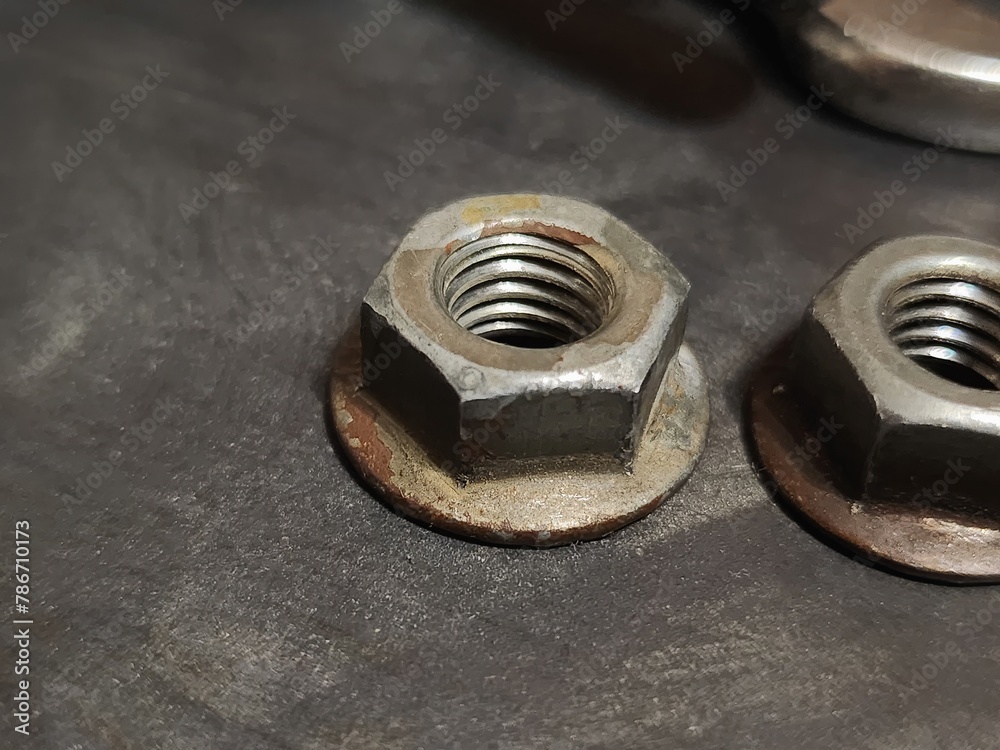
(518, 373)
(892, 383)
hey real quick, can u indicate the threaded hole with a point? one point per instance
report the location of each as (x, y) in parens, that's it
(951, 328)
(524, 290)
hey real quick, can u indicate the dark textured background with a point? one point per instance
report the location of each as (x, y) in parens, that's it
(230, 584)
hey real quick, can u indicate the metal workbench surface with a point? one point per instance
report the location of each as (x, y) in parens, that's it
(206, 572)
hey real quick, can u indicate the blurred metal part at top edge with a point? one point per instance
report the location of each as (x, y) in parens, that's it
(917, 67)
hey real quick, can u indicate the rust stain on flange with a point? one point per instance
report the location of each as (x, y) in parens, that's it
(551, 502)
(353, 419)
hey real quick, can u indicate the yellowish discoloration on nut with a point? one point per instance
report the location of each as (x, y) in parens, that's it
(479, 211)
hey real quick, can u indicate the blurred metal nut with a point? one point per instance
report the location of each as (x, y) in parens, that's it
(930, 70)
(522, 376)
(894, 379)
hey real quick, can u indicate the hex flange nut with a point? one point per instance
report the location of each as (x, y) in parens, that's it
(880, 420)
(518, 374)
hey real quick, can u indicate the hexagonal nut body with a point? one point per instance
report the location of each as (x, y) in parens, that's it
(899, 356)
(604, 310)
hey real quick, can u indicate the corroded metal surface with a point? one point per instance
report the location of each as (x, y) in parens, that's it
(567, 393)
(567, 439)
(540, 503)
(585, 430)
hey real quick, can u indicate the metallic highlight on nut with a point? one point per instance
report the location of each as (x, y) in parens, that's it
(951, 327)
(525, 291)
(894, 380)
(518, 374)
